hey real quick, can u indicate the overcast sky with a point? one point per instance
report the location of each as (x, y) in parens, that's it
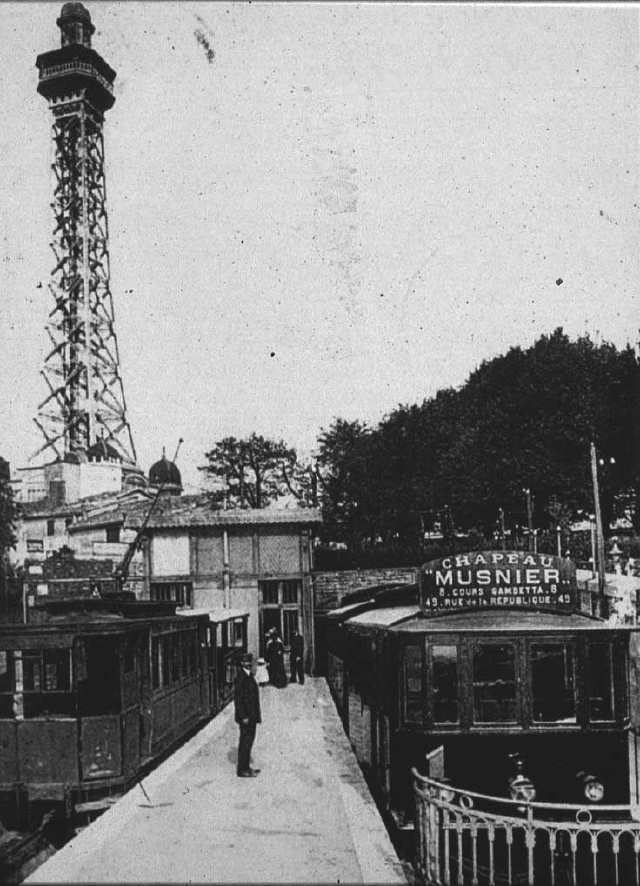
(347, 207)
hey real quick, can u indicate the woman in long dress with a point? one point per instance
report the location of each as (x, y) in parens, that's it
(275, 660)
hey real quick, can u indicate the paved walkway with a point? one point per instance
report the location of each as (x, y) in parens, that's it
(307, 818)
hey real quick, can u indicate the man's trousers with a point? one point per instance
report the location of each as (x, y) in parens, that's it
(247, 736)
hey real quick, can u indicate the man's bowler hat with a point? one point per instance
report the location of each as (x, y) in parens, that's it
(246, 659)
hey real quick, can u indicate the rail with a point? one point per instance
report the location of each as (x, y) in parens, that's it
(468, 839)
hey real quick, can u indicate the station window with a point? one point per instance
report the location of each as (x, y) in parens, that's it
(553, 683)
(413, 691)
(51, 527)
(113, 534)
(290, 591)
(494, 683)
(600, 681)
(444, 683)
(6, 675)
(269, 592)
(180, 592)
(6, 683)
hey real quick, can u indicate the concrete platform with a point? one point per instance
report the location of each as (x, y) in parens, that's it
(307, 818)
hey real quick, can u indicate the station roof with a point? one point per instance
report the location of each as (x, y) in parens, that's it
(215, 615)
(505, 621)
(178, 511)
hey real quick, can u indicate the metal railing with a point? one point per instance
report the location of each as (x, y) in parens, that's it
(75, 67)
(469, 839)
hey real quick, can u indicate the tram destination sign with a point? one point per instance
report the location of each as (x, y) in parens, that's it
(498, 580)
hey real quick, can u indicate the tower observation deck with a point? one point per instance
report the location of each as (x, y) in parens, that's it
(84, 404)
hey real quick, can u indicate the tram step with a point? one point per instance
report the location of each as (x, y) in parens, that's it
(401, 823)
(96, 805)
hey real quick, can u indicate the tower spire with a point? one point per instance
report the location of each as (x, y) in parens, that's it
(85, 396)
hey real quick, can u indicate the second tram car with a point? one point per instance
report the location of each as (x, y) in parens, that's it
(490, 667)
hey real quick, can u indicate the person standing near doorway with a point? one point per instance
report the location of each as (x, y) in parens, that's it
(297, 658)
(247, 712)
(275, 660)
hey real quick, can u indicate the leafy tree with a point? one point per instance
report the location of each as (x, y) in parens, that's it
(251, 473)
(8, 511)
(342, 468)
(8, 517)
(522, 420)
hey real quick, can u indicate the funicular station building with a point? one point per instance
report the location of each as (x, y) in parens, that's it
(497, 717)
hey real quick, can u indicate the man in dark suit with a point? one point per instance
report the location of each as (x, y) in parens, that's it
(247, 705)
(297, 658)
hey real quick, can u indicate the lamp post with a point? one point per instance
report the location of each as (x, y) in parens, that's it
(598, 515)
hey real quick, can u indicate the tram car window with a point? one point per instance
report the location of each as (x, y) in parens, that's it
(444, 683)
(494, 683)
(553, 688)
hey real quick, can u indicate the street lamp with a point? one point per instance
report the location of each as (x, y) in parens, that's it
(592, 787)
(520, 786)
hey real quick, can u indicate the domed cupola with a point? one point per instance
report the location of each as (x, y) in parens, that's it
(165, 474)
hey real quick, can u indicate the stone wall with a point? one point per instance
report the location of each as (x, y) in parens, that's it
(330, 588)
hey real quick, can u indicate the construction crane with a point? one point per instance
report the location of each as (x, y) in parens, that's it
(122, 571)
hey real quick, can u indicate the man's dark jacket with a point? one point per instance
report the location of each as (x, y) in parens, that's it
(247, 698)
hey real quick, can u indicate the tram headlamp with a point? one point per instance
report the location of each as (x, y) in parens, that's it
(592, 787)
(446, 793)
(522, 788)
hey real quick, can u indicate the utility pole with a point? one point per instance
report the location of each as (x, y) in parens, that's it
(501, 528)
(528, 498)
(599, 529)
(592, 532)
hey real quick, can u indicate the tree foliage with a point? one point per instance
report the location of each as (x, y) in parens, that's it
(254, 472)
(522, 420)
(8, 511)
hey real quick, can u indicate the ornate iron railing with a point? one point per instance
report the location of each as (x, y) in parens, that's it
(469, 839)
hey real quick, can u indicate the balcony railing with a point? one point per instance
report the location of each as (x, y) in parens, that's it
(73, 68)
(467, 838)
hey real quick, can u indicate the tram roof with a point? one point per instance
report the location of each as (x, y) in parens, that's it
(505, 621)
(383, 617)
(350, 608)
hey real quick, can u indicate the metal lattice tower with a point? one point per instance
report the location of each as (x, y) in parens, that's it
(85, 401)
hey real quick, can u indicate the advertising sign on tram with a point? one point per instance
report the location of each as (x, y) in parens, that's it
(499, 580)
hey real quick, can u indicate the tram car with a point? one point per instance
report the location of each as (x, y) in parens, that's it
(96, 694)
(491, 669)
